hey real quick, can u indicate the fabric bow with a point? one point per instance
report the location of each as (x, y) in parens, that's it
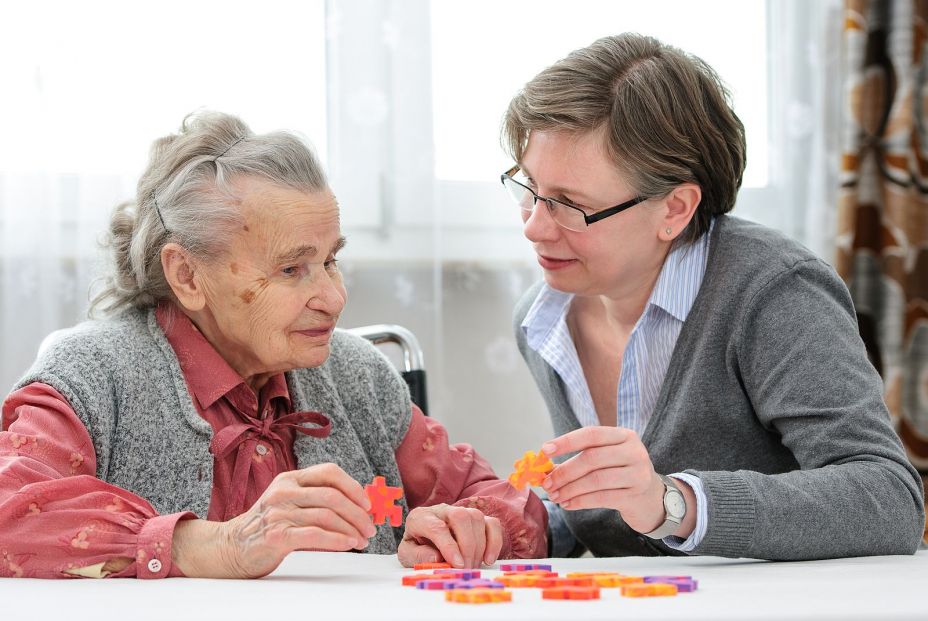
(245, 436)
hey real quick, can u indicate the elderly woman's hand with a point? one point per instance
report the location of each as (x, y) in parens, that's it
(461, 536)
(611, 470)
(316, 508)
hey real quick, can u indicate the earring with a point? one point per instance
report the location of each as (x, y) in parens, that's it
(668, 230)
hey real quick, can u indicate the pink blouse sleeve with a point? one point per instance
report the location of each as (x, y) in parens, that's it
(435, 472)
(57, 519)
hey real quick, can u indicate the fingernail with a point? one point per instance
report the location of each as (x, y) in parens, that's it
(565, 504)
(554, 495)
(457, 560)
(548, 447)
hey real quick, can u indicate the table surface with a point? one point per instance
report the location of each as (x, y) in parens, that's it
(321, 586)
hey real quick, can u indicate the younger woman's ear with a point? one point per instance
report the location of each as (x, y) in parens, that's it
(681, 207)
(181, 274)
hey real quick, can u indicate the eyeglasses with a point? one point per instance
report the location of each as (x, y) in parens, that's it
(569, 216)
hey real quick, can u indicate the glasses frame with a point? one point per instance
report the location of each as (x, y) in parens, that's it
(587, 218)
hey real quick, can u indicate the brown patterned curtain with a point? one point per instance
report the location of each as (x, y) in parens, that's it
(882, 242)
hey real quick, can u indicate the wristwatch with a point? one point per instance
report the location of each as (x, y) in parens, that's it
(674, 509)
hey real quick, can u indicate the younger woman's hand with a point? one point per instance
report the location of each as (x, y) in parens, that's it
(611, 470)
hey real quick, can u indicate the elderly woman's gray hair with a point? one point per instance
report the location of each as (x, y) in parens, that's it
(187, 196)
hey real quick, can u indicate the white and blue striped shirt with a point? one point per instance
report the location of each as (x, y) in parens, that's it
(644, 363)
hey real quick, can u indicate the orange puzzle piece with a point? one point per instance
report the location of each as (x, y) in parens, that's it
(539, 573)
(414, 579)
(419, 566)
(548, 583)
(607, 579)
(519, 581)
(478, 596)
(530, 470)
(571, 592)
(382, 496)
(649, 589)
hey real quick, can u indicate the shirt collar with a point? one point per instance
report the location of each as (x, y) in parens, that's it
(546, 312)
(681, 275)
(209, 377)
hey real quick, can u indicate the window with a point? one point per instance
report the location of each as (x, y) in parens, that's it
(402, 99)
(95, 82)
(475, 75)
(517, 39)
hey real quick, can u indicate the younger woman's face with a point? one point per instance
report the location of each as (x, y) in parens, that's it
(611, 257)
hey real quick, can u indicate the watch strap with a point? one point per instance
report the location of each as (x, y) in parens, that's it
(670, 524)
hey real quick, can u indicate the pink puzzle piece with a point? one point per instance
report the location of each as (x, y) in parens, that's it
(382, 496)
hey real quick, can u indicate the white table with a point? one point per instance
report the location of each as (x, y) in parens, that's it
(318, 586)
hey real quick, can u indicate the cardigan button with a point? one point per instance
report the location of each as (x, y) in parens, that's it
(261, 450)
(154, 565)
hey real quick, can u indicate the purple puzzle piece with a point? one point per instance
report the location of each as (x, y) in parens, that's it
(479, 583)
(684, 584)
(460, 574)
(523, 567)
(434, 585)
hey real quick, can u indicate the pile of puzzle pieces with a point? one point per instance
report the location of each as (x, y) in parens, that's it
(470, 587)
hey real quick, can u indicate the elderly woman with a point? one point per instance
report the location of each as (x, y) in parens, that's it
(705, 373)
(217, 420)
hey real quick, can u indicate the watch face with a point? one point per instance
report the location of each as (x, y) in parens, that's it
(675, 504)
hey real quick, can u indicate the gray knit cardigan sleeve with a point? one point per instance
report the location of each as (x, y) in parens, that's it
(796, 348)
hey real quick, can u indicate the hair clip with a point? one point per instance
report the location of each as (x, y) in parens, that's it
(229, 147)
(158, 211)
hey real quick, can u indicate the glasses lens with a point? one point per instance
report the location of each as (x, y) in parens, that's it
(520, 194)
(568, 217)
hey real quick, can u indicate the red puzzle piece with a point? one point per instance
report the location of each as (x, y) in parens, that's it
(382, 496)
(530, 470)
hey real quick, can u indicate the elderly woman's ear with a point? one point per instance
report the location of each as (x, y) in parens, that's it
(180, 270)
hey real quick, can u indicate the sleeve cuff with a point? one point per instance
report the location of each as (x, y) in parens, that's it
(733, 515)
(153, 552)
(702, 516)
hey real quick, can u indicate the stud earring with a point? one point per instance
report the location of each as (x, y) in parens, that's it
(668, 231)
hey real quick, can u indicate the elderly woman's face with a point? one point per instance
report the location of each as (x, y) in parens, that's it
(274, 297)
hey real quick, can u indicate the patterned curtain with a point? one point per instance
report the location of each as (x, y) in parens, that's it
(882, 244)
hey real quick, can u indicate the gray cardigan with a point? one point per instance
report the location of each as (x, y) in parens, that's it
(122, 378)
(770, 399)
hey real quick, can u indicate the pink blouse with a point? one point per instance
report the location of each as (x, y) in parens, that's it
(58, 520)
